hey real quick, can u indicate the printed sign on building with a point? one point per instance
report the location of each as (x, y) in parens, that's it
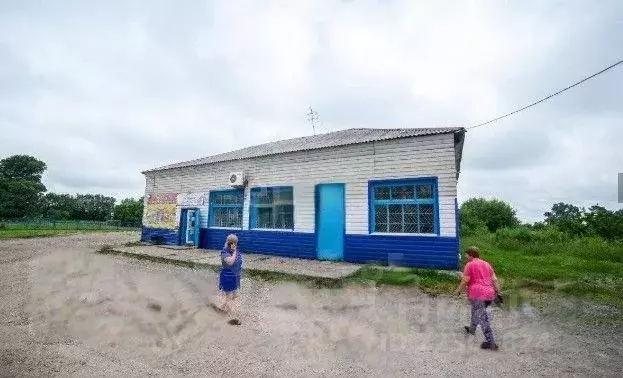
(192, 199)
(166, 198)
(160, 215)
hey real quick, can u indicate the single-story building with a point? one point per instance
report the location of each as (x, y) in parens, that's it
(383, 196)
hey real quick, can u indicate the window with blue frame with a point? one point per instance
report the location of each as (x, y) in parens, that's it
(272, 208)
(404, 206)
(226, 208)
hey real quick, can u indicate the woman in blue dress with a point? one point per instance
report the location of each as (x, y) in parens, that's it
(229, 278)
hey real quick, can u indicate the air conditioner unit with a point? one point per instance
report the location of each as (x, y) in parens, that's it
(237, 179)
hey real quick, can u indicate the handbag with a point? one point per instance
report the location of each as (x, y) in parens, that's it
(499, 299)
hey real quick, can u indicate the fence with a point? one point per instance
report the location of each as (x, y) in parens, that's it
(52, 224)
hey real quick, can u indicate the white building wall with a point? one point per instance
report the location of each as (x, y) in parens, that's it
(352, 165)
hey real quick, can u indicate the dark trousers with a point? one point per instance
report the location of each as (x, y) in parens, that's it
(480, 317)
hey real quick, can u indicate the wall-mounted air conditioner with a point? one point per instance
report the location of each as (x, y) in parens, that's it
(237, 179)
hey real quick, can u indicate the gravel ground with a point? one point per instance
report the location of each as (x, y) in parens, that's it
(67, 311)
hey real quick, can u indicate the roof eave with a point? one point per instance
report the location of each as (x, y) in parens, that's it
(168, 167)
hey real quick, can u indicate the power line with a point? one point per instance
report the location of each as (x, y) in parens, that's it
(548, 97)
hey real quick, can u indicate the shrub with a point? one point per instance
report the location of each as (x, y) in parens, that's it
(551, 241)
(595, 248)
(470, 226)
(521, 237)
(3, 226)
(494, 214)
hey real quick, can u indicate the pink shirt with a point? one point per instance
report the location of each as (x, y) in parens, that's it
(480, 285)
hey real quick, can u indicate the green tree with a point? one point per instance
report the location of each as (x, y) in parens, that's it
(471, 223)
(493, 214)
(21, 189)
(93, 207)
(605, 223)
(567, 218)
(129, 210)
(59, 206)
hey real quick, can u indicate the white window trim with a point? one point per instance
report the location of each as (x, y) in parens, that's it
(272, 229)
(402, 234)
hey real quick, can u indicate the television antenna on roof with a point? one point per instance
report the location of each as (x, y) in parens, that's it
(312, 117)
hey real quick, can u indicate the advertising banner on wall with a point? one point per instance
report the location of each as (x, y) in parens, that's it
(160, 216)
(198, 199)
(166, 198)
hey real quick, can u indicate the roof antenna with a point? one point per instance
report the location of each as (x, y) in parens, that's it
(312, 117)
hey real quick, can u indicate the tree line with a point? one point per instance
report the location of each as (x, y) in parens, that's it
(23, 195)
(479, 215)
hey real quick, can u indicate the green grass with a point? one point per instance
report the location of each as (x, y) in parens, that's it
(26, 234)
(61, 225)
(583, 268)
(13, 230)
(22, 234)
(429, 281)
(585, 271)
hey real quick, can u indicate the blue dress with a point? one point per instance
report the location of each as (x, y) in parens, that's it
(229, 278)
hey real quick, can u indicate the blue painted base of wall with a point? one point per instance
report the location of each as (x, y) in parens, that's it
(409, 251)
(169, 237)
(288, 244)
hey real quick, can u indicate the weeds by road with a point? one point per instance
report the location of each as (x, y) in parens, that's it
(26, 234)
(590, 269)
(15, 229)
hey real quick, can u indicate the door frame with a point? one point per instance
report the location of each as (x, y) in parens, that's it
(183, 231)
(316, 215)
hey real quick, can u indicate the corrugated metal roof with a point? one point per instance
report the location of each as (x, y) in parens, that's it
(332, 139)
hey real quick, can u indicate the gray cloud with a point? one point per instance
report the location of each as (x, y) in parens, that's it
(101, 91)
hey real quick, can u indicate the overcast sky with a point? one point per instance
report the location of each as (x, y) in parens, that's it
(101, 90)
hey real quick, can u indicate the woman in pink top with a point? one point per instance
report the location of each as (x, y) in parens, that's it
(482, 287)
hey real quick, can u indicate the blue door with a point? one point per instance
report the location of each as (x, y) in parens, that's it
(330, 221)
(189, 227)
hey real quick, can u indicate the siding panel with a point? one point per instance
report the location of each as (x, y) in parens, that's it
(169, 237)
(423, 252)
(287, 244)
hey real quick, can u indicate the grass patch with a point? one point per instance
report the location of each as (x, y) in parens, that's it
(13, 230)
(43, 228)
(26, 234)
(582, 268)
(429, 281)
(64, 225)
(586, 269)
(314, 282)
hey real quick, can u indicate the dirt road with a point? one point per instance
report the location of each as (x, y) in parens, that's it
(67, 311)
